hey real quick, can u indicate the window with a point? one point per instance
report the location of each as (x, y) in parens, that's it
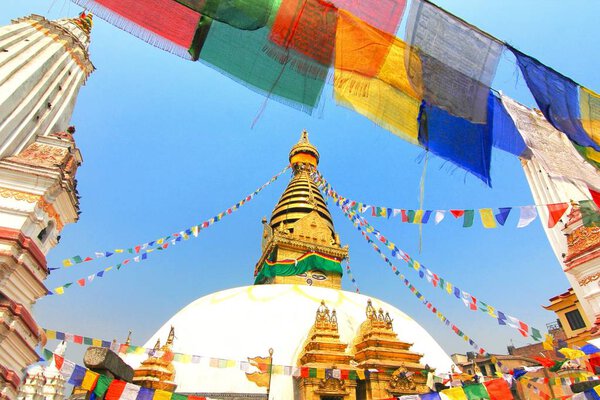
(575, 320)
(45, 233)
(492, 369)
(483, 370)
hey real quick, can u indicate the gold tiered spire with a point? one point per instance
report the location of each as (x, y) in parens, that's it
(301, 232)
(302, 196)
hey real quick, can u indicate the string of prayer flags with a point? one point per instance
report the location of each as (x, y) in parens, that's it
(351, 276)
(436, 280)
(549, 146)
(174, 237)
(489, 218)
(458, 61)
(559, 100)
(165, 24)
(430, 306)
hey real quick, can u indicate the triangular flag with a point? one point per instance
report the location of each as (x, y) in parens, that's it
(503, 214)
(457, 213)
(556, 211)
(439, 216)
(528, 214)
(595, 196)
(589, 213)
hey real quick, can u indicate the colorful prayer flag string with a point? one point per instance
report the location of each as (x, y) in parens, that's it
(351, 276)
(177, 236)
(490, 218)
(434, 279)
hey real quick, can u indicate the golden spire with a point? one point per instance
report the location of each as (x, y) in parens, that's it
(302, 196)
(128, 340)
(85, 21)
(157, 345)
(171, 336)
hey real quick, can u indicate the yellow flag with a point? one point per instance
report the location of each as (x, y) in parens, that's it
(67, 263)
(548, 342)
(418, 217)
(487, 218)
(320, 373)
(260, 379)
(361, 374)
(230, 364)
(589, 103)
(96, 342)
(59, 290)
(456, 393)
(161, 395)
(89, 380)
(50, 334)
(571, 354)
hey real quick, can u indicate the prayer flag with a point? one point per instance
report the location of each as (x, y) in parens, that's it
(370, 77)
(162, 395)
(130, 392)
(89, 380)
(487, 218)
(458, 61)
(456, 393)
(498, 389)
(439, 216)
(115, 390)
(571, 354)
(384, 15)
(548, 343)
(590, 349)
(505, 134)
(556, 211)
(307, 27)
(503, 214)
(589, 104)
(77, 375)
(550, 147)
(102, 385)
(466, 144)
(557, 96)
(468, 218)
(528, 214)
(476, 392)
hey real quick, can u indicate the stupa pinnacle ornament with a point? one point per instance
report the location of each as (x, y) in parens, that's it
(299, 243)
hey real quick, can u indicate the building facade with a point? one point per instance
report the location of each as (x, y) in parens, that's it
(43, 64)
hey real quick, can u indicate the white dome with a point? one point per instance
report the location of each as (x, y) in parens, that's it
(245, 322)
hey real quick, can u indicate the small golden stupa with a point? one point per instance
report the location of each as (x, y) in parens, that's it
(158, 372)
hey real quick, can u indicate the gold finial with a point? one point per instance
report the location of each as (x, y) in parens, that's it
(157, 345)
(85, 21)
(128, 340)
(304, 152)
(371, 313)
(171, 336)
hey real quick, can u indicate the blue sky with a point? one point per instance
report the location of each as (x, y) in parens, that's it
(168, 143)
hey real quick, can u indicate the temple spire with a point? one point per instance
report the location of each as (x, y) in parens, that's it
(300, 231)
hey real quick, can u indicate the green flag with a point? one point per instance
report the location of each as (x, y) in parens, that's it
(589, 213)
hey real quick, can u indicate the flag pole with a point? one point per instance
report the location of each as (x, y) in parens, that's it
(270, 371)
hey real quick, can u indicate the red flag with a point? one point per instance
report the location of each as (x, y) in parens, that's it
(81, 282)
(115, 390)
(58, 361)
(545, 362)
(498, 389)
(404, 216)
(457, 213)
(304, 373)
(595, 196)
(77, 339)
(556, 211)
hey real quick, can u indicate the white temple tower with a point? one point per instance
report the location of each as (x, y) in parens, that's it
(548, 189)
(42, 66)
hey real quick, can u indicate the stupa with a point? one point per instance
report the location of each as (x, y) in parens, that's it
(297, 275)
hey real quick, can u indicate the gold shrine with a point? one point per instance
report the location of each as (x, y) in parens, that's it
(158, 372)
(392, 369)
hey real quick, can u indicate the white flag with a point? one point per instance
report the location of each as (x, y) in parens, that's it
(439, 216)
(528, 214)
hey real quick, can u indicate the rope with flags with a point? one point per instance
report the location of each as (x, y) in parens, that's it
(470, 301)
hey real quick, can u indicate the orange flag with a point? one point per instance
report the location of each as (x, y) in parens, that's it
(556, 211)
(261, 374)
